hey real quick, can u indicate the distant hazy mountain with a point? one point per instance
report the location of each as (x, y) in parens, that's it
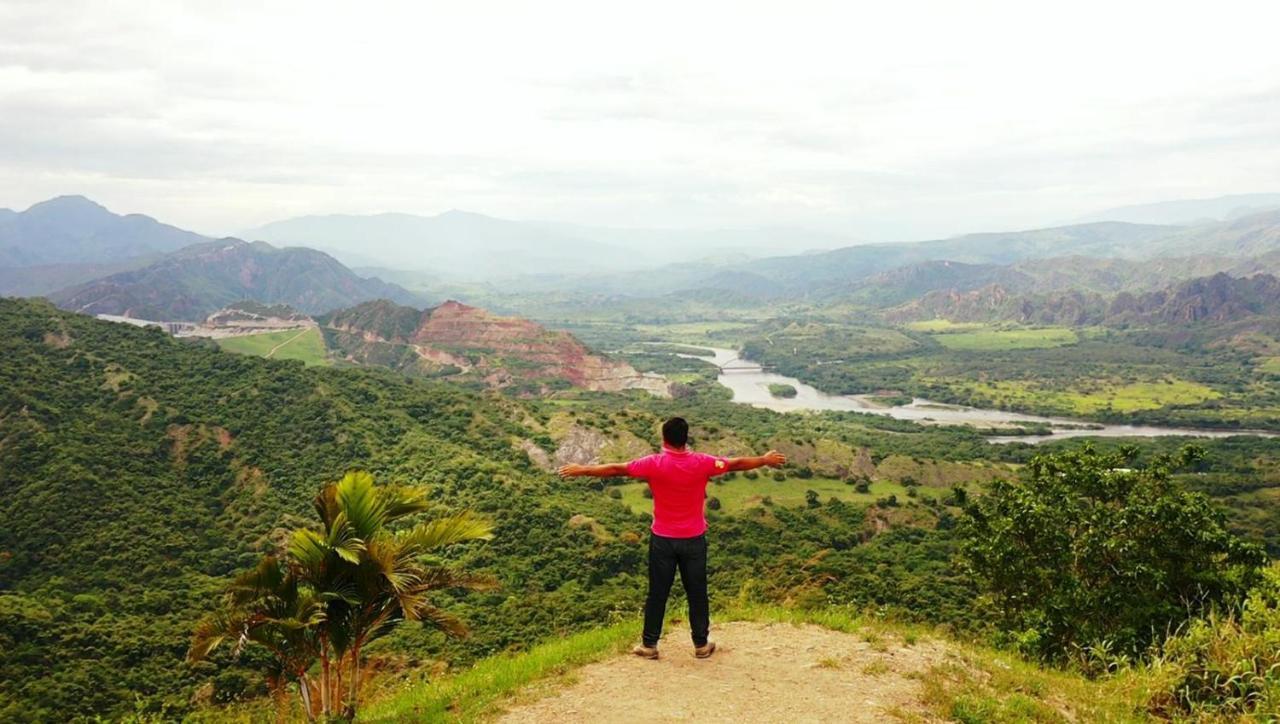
(455, 243)
(7, 214)
(75, 230)
(189, 284)
(34, 281)
(1245, 236)
(1188, 211)
(821, 273)
(468, 246)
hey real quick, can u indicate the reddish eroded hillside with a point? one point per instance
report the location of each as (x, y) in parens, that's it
(500, 350)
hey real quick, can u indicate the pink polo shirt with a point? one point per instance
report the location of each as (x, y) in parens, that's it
(678, 479)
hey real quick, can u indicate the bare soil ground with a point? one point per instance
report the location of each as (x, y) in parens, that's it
(761, 672)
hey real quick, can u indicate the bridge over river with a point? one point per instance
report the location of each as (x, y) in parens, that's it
(737, 364)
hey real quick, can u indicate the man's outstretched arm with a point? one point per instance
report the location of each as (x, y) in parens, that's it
(771, 459)
(612, 470)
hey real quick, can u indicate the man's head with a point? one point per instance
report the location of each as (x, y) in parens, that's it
(675, 432)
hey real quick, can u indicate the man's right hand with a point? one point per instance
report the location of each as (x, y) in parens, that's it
(774, 459)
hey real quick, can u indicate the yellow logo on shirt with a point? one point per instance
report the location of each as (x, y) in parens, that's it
(720, 464)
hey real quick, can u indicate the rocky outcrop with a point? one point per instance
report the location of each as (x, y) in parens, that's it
(501, 351)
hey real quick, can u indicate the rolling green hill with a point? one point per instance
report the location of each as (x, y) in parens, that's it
(138, 472)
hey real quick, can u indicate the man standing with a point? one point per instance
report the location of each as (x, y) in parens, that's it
(678, 477)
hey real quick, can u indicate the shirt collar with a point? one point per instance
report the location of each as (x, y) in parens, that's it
(675, 451)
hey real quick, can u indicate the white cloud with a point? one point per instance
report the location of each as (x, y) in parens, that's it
(899, 120)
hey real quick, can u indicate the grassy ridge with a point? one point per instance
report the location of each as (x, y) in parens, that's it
(469, 695)
(975, 684)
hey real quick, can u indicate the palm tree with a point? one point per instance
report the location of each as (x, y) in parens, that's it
(268, 606)
(377, 576)
(341, 586)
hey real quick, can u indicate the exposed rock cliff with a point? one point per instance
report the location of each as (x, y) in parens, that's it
(455, 338)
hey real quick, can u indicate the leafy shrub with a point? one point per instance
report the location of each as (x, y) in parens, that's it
(1087, 552)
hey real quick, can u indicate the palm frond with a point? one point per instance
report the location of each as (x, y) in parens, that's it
(265, 577)
(439, 577)
(441, 619)
(308, 549)
(212, 631)
(459, 528)
(326, 504)
(386, 554)
(359, 500)
(402, 501)
(342, 539)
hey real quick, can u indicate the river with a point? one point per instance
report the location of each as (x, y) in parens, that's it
(750, 386)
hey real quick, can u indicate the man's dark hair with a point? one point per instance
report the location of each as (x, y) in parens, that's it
(675, 432)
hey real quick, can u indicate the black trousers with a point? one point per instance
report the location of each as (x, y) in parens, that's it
(689, 555)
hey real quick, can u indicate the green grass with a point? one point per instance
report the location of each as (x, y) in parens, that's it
(1096, 397)
(1008, 339)
(741, 494)
(472, 693)
(1271, 365)
(307, 345)
(943, 325)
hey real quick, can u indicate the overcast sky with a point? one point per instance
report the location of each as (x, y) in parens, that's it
(888, 120)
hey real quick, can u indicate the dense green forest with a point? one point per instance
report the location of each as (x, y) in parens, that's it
(139, 473)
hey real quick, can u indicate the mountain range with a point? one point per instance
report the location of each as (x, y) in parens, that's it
(1216, 298)
(75, 230)
(189, 284)
(1188, 211)
(465, 246)
(86, 258)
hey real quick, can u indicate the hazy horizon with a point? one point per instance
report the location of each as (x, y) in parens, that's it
(921, 121)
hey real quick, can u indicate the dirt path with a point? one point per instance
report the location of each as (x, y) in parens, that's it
(287, 341)
(760, 673)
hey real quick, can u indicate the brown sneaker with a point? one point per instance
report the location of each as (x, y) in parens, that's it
(645, 652)
(704, 652)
